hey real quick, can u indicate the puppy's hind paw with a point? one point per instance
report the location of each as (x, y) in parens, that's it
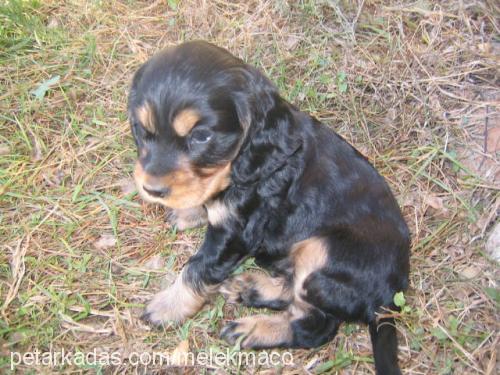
(256, 289)
(233, 290)
(259, 331)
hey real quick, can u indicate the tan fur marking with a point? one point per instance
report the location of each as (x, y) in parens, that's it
(218, 212)
(184, 121)
(146, 116)
(189, 187)
(308, 256)
(189, 218)
(265, 330)
(269, 288)
(175, 303)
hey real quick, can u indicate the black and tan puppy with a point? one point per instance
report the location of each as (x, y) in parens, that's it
(214, 134)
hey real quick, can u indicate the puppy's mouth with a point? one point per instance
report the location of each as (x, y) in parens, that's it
(186, 187)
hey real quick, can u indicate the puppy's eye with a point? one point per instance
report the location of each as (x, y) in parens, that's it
(201, 136)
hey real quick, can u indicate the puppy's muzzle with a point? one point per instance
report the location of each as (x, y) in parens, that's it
(156, 191)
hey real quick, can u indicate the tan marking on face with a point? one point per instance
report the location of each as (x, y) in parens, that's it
(146, 117)
(308, 256)
(184, 121)
(265, 330)
(189, 187)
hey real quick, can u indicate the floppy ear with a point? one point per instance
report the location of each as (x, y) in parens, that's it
(272, 135)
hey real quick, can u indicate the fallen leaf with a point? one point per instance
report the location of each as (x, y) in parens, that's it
(105, 241)
(155, 263)
(17, 337)
(179, 356)
(37, 153)
(53, 23)
(42, 89)
(475, 161)
(469, 272)
(4, 150)
(493, 243)
(493, 141)
(291, 42)
(484, 48)
(434, 202)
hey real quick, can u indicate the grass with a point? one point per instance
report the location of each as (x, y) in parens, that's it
(413, 85)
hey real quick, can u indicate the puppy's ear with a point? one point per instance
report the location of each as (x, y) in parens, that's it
(272, 135)
(133, 97)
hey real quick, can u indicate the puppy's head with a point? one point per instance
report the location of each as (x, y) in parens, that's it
(189, 112)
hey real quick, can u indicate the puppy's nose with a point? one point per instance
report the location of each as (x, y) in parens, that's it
(159, 192)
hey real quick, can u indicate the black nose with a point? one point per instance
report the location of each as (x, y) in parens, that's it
(157, 192)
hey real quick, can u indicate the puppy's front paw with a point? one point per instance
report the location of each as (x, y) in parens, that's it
(173, 305)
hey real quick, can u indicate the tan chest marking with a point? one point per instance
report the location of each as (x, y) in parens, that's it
(219, 212)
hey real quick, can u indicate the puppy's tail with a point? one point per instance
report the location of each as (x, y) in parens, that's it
(385, 346)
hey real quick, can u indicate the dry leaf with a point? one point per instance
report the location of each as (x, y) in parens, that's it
(469, 272)
(434, 202)
(484, 48)
(493, 243)
(436, 205)
(155, 263)
(105, 241)
(179, 356)
(493, 142)
(4, 149)
(53, 23)
(291, 42)
(37, 154)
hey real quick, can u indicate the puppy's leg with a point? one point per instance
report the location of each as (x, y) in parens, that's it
(174, 304)
(188, 218)
(303, 325)
(256, 289)
(295, 328)
(220, 253)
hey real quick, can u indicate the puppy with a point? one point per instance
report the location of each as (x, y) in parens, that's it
(277, 185)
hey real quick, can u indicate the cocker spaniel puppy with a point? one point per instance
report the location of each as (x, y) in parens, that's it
(218, 144)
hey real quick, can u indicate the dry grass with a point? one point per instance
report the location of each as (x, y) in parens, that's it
(414, 85)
